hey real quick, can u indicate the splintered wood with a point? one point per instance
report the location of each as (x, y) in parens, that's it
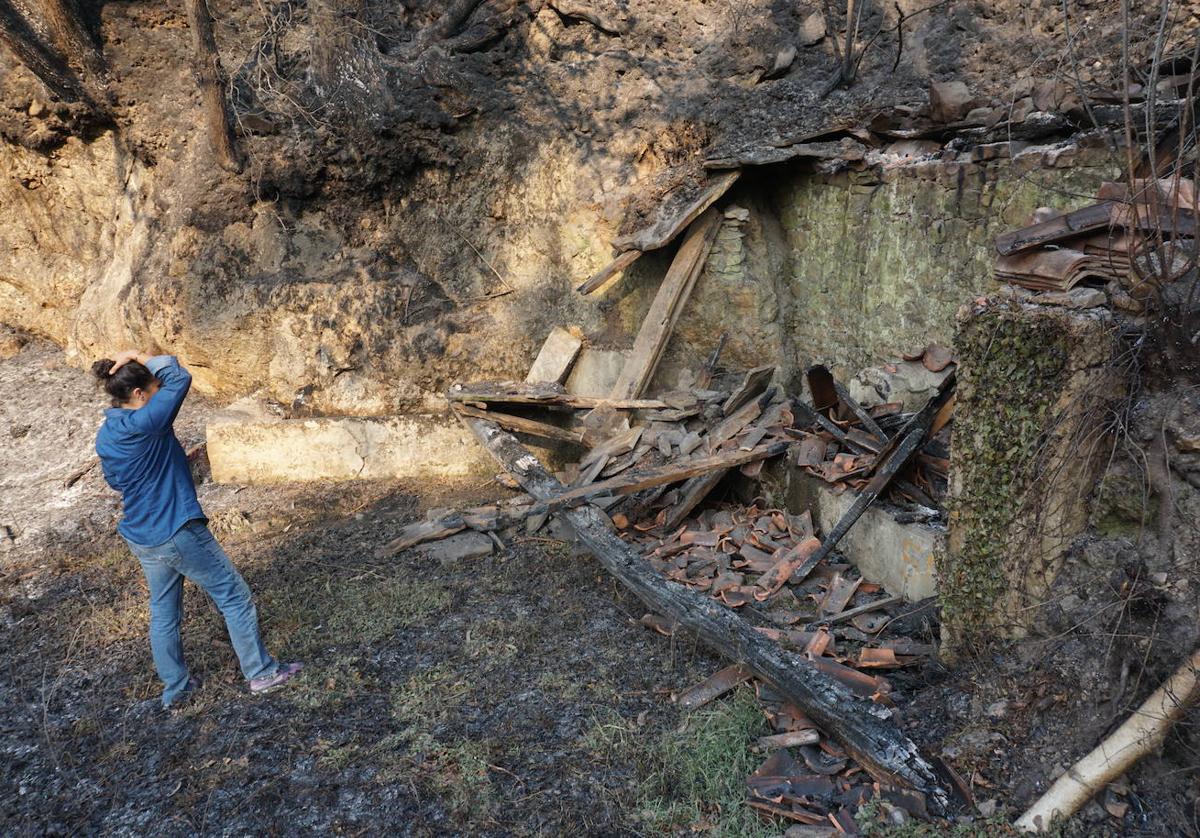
(847, 446)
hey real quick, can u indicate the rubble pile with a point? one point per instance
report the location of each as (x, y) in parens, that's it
(652, 462)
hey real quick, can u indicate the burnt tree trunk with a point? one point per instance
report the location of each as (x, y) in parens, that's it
(864, 728)
(72, 37)
(213, 83)
(39, 57)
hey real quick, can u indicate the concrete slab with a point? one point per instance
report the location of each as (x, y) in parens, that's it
(900, 557)
(342, 448)
(595, 372)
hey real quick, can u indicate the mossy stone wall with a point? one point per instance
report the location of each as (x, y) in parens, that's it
(849, 269)
(1034, 386)
(881, 259)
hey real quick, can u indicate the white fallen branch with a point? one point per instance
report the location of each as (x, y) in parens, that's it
(1141, 733)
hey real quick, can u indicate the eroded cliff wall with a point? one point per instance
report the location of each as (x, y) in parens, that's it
(418, 203)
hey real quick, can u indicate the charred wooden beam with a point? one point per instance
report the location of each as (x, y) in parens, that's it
(866, 729)
(522, 425)
(899, 450)
(618, 264)
(648, 478)
(541, 395)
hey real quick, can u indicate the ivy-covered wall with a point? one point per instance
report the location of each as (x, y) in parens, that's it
(1035, 387)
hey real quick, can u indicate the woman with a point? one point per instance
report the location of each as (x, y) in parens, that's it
(164, 524)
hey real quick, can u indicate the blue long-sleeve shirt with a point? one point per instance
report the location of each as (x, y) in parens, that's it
(142, 459)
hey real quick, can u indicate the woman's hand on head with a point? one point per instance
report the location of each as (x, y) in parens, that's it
(125, 357)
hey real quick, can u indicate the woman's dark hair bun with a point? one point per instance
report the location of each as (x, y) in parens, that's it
(103, 369)
(121, 384)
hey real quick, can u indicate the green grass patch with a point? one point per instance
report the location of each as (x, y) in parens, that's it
(329, 683)
(694, 776)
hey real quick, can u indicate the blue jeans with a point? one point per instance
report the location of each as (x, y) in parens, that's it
(193, 553)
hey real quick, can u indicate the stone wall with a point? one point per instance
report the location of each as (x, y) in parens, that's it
(850, 269)
(1037, 386)
(880, 260)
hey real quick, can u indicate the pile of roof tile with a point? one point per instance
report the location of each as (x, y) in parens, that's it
(1130, 236)
(841, 442)
(756, 559)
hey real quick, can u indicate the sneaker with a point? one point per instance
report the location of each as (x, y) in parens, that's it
(269, 682)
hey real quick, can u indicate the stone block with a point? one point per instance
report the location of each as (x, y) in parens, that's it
(949, 101)
(342, 448)
(595, 372)
(556, 357)
(812, 30)
(457, 548)
(900, 557)
(908, 382)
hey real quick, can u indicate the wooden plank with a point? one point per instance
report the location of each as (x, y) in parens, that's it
(554, 360)
(868, 731)
(865, 418)
(522, 425)
(636, 481)
(616, 445)
(808, 416)
(754, 382)
(854, 612)
(827, 392)
(660, 319)
(820, 387)
(598, 279)
(694, 491)
(663, 231)
(545, 395)
(698, 488)
(730, 426)
(791, 739)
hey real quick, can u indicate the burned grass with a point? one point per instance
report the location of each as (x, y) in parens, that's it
(438, 698)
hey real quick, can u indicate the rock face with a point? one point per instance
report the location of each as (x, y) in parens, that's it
(423, 193)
